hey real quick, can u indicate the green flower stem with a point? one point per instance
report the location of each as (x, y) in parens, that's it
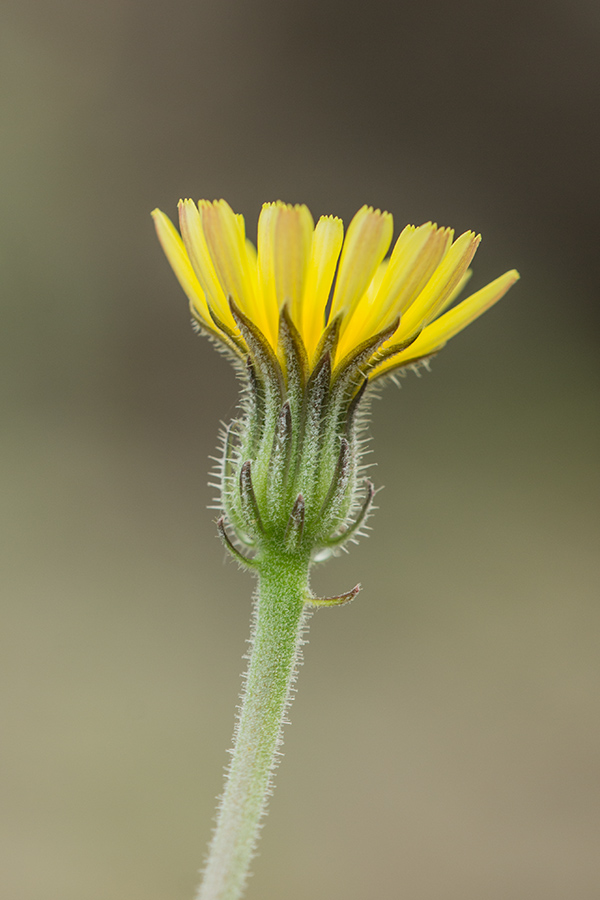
(280, 619)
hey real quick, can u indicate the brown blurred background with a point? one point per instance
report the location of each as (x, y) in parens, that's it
(445, 741)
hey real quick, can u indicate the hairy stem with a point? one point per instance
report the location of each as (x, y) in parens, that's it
(280, 619)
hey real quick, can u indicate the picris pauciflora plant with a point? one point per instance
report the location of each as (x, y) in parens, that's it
(311, 320)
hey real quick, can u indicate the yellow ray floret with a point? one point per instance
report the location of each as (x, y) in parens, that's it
(434, 336)
(295, 266)
(285, 236)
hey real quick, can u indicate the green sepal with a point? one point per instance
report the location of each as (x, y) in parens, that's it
(334, 601)
(295, 527)
(329, 339)
(353, 363)
(251, 514)
(350, 424)
(279, 464)
(245, 561)
(255, 408)
(317, 395)
(332, 509)
(262, 353)
(393, 349)
(293, 352)
(229, 494)
(413, 363)
(319, 381)
(389, 352)
(347, 380)
(348, 376)
(310, 442)
(269, 372)
(232, 340)
(351, 530)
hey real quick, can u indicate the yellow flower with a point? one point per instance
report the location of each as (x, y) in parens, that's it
(407, 297)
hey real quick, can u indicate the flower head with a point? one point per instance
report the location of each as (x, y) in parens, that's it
(311, 318)
(405, 298)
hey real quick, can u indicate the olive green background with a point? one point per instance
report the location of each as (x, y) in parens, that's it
(445, 742)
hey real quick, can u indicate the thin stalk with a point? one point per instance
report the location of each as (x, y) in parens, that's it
(280, 620)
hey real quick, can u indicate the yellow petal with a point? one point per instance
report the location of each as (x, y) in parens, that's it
(177, 256)
(265, 262)
(252, 266)
(441, 285)
(412, 264)
(367, 241)
(466, 312)
(197, 248)
(415, 257)
(326, 245)
(434, 336)
(284, 242)
(456, 292)
(226, 241)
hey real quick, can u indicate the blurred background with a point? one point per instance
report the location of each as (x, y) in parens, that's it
(446, 735)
